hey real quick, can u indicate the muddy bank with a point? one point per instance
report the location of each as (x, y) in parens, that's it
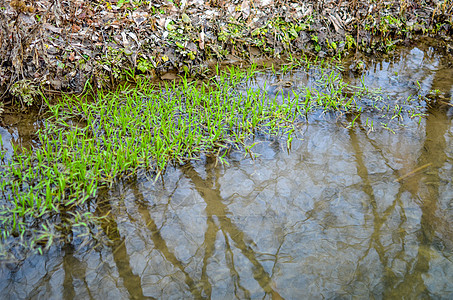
(55, 46)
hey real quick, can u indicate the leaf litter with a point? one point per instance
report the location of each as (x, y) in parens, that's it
(55, 46)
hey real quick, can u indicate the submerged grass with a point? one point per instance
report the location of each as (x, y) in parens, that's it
(87, 145)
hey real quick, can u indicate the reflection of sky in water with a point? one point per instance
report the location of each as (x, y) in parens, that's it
(400, 76)
(336, 217)
(20, 131)
(6, 139)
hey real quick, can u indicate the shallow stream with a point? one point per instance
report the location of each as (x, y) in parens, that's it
(347, 212)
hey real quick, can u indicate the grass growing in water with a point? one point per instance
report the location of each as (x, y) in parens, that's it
(87, 145)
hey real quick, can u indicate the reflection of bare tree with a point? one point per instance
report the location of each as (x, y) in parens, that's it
(209, 241)
(424, 187)
(160, 243)
(379, 219)
(229, 257)
(74, 273)
(131, 281)
(73, 269)
(68, 264)
(215, 208)
(412, 284)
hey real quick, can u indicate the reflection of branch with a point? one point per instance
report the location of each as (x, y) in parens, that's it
(72, 267)
(413, 172)
(131, 281)
(215, 206)
(434, 147)
(68, 265)
(209, 248)
(234, 274)
(161, 245)
(433, 153)
(276, 256)
(368, 189)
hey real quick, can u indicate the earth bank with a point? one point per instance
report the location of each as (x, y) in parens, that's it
(54, 46)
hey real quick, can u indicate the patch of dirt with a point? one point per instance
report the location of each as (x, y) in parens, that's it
(54, 46)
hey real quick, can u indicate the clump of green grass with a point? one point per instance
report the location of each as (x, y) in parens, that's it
(87, 145)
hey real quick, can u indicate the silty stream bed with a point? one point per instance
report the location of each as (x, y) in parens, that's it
(348, 212)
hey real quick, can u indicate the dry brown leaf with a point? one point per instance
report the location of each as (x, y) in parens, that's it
(75, 28)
